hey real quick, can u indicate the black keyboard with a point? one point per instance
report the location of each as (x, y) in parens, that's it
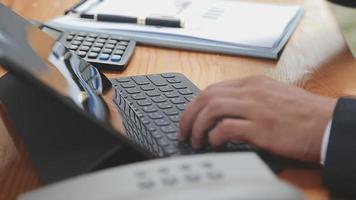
(151, 105)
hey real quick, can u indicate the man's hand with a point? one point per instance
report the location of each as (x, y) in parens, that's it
(279, 118)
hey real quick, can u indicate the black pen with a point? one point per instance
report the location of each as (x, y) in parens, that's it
(153, 21)
(74, 8)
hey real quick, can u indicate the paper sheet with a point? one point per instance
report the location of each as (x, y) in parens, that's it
(233, 22)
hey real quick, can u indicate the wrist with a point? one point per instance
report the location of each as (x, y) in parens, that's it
(322, 121)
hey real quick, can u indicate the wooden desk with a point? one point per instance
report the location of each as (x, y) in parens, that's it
(316, 58)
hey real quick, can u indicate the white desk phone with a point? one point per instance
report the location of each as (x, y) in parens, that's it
(223, 176)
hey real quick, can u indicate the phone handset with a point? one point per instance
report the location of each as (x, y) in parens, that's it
(200, 177)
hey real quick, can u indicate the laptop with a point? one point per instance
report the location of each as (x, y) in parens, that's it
(56, 103)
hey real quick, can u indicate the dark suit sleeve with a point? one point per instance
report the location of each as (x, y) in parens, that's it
(340, 164)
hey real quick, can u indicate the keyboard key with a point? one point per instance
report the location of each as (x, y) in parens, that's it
(158, 99)
(112, 41)
(108, 51)
(84, 48)
(100, 40)
(93, 35)
(73, 47)
(140, 80)
(171, 112)
(120, 47)
(168, 75)
(190, 97)
(151, 128)
(153, 93)
(145, 121)
(157, 80)
(156, 135)
(99, 45)
(109, 46)
(181, 107)
(174, 80)
(104, 56)
(89, 39)
(174, 118)
(178, 100)
(185, 92)
(82, 34)
(155, 115)
(69, 38)
(144, 103)
(95, 49)
(164, 105)
(92, 55)
(138, 97)
(123, 43)
(87, 44)
(166, 89)
(103, 36)
(162, 122)
(123, 80)
(149, 109)
(82, 53)
(118, 52)
(127, 85)
(147, 87)
(169, 129)
(115, 58)
(163, 142)
(79, 39)
(172, 136)
(133, 91)
(171, 94)
(179, 86)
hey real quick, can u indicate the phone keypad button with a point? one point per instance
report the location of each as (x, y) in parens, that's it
(92, 55)
(84, 48)
(89, 39)
(115, 58)
(192, 177)
(69, 38)
(101, 40)
(169, 180)
(76, 42)
(73, 47)
(104, 36)
(118, 52)
(214, 175)
(123, 43)
(87, 43)
(104, 56)
(98, 44)
(95, 49)
(79, 38)
(82, 34)
(112, 42)
(81, 53)
(147, 184)
(93, 35)
(108, 51)
(109, 46)
(120, 47)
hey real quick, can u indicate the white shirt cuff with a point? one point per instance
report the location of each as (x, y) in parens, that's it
(325, 142)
